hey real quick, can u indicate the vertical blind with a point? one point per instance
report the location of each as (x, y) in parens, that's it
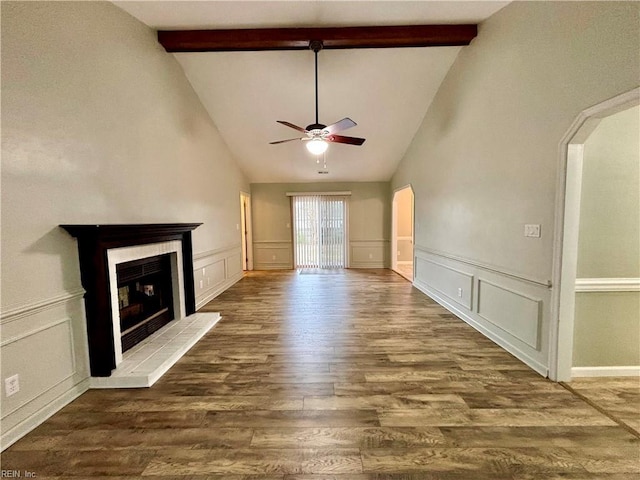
(319, 231)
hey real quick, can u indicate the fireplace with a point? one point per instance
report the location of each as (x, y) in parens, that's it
(145, 298)
(137, 279)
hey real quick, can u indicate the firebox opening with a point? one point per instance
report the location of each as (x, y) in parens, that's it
(145, 297)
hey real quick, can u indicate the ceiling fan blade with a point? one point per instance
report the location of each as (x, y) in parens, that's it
(295, 127)
(347, 140)
(340, 125)
(284, 141)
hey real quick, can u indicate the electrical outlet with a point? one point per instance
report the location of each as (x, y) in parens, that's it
(532, 231)
(273, 257)
(370, 256)
(12, 385)
(460, 292)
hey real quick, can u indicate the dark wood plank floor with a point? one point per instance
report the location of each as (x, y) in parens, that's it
(348, 376)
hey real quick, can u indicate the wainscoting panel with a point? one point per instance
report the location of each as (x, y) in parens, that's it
(369, 254)
(516, 314)
(454, 284)
(272, 255)
(511, 310)
(606, 315)
(216, 271)
(45, 344)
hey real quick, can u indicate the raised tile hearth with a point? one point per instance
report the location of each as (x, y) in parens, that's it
(145, 363)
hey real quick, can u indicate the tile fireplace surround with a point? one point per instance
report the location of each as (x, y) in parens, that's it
(101, 248)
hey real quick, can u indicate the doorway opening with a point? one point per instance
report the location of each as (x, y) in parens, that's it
(570, 272)
(246, 232)
(320, 231)
(402, 232)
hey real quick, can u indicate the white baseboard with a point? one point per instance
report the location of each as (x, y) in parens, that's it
(21, 429)
(443, 301)
(202, 301)
(616, 371)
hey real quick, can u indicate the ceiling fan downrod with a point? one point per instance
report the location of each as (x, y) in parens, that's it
(316, 46)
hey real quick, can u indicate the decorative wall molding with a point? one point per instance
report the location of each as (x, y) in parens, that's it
(607, 285)
(457, 310)
(510, 311)
(12, 435)
(215, 271)
(265, 251)
(450, 279)
(526, 326)
(615, 371)
(369, 253)
(34, 308)
(55, 328)
(486, 266)
(211, 253)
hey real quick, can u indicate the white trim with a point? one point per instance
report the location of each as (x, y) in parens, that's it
(484, 266)
(563, 295)
(607, 285)
(633, 371)
(27, 425)
(210, 253)
(35, 331)
(246, 231)
(155, 355)
(17, 313)
(220, 288)
(443, 301)
(127, 254)
(302, 194)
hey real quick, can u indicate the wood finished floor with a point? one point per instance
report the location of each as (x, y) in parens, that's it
(352, 376)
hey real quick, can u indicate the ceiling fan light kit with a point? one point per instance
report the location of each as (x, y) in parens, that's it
(319, 135)
(317, 146)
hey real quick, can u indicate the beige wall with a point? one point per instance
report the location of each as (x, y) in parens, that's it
(99, 125)
(607, 329)
(485, 160)
(607, 324)
(609, 235)
(369, 221)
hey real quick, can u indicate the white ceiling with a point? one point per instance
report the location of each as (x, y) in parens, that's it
(385, 91)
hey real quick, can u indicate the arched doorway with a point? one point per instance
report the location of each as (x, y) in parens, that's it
(402, 257)
(566, 242)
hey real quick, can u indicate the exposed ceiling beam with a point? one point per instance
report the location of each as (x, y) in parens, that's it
(332, 37)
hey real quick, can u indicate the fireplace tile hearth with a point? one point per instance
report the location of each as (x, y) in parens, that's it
(146, 362)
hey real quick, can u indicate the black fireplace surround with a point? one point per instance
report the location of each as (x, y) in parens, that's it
(93, 243)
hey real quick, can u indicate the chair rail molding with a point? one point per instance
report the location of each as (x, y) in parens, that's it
(607, 285)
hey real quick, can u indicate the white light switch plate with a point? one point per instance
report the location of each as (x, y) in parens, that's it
(532, 231)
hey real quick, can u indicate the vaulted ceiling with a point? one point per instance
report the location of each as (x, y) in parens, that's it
(386, 91)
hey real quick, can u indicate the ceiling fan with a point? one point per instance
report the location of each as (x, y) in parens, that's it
(317, 134)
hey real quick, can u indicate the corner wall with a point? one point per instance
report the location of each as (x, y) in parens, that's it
(484, 162)
(99, 125)
(369, 222)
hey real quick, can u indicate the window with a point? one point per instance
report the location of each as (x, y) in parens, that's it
(319, 231)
